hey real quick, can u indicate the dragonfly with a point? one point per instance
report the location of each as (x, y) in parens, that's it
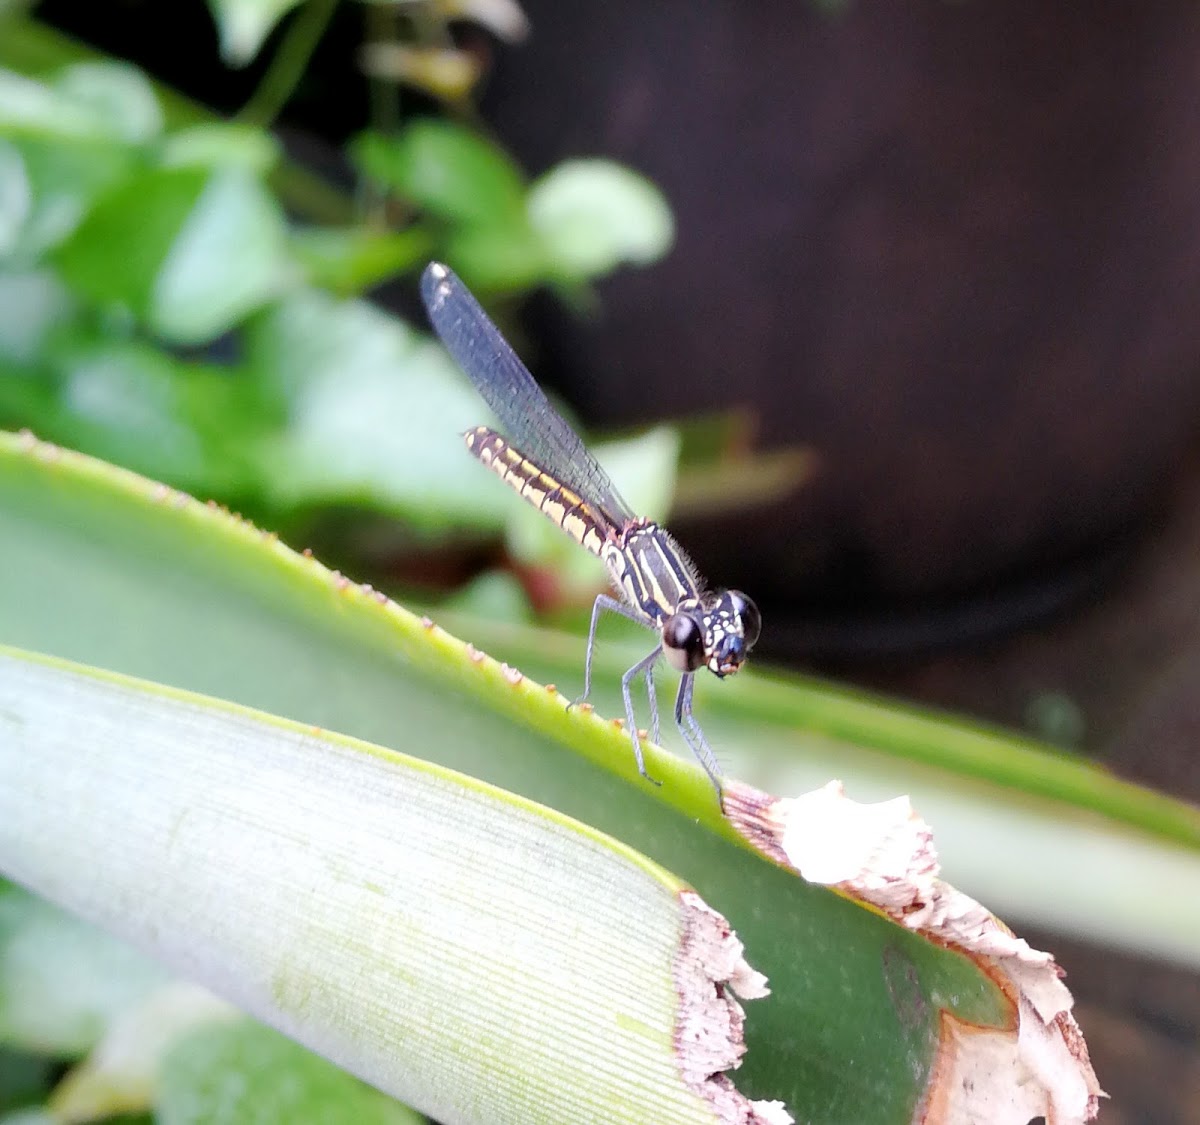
(541, 457)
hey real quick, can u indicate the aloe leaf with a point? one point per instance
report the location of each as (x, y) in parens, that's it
(376, 908)
(104, 567)
(1041, 835)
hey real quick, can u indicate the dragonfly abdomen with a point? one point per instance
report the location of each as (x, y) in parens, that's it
(564, 508)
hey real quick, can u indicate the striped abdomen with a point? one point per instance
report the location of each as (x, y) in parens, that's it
(557, 502)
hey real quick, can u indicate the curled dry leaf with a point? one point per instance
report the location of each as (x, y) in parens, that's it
(504, 18)
(442, 72)
(882, 855)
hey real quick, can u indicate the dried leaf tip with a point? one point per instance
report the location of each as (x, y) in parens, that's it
(882, 855)
(709, 1035)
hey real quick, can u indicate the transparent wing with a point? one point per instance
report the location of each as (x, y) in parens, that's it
(532, 425)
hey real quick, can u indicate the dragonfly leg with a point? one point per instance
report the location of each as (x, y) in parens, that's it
(693, 735)
(601, 604)
(642, 667)
(652, 699)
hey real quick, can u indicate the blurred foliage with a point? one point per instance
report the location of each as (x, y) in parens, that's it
(229, 1072)
(69, 993)
(162, 309)
(176, 298)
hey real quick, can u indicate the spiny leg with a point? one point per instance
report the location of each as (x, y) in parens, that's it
(652, 699)
(602, 603)
(693, 735)
(642, 667)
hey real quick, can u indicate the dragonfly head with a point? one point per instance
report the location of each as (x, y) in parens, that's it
(718, 631)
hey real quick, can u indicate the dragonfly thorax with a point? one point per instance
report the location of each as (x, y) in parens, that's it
(717, 630)
(650, 571)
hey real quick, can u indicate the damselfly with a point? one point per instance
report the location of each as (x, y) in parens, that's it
(548, 464)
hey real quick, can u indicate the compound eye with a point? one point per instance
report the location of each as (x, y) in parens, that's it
(748, 612)
(683, 642)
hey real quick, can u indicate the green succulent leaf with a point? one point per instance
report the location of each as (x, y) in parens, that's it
(114, 571)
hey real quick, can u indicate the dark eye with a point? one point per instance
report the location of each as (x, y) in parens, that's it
(748, 612)
(683, 642)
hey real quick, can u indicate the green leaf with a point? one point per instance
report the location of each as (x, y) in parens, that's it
(228, 258)
(446, 170)
(61, 980)
(221, 144)
(189, 252)
(349, 261)
(33, 47)
(594, 215)
(117, 253)
(230, 1072)
(127, 400)
(105, 567)
(119, 93)
(245, 24)
(66, 177)
(106, 100)
(191, 424)
(436, 910)
(120, 1075)
(498, 259)
(36, 1116)
(376, 410)
(31, 107)
(494, 595)
(16, 198)
(32, 306)
(24, 1080)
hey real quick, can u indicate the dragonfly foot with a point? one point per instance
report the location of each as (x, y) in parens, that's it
(653, 780)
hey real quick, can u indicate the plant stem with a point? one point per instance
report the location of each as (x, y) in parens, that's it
(288, 65)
